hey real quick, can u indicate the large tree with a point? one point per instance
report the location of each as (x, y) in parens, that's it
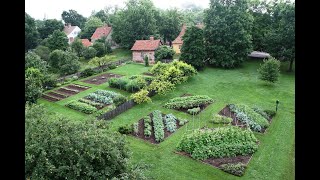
(33, 85)
(281, 38)
(228, 32)
(33, 60)
(90, 26)
(192, 51)
(64, 62)
(57, 40)
(58, 148)
(73, 17)
(77, 47)
(170, 24)
(43, 52)
(136, 21)
(49, 26)
(31, 33)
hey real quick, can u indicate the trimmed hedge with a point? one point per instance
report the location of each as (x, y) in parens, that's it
(188, 102)
(82, 107)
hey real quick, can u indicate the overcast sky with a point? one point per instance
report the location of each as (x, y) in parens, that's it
(53, 9)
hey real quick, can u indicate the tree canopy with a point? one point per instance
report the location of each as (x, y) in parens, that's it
(57, 40)
(33, 85)
(31, 33)
(90, 26)
(170, 24)
(33, 60)
(49, 26)
(73, 17)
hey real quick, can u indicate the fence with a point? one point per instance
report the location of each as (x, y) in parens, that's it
(117, 63)
(118, 110)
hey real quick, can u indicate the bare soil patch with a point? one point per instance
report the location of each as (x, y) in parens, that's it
(101, 78)
(49, 98)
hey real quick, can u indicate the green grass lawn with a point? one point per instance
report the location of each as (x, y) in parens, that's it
(275, 157)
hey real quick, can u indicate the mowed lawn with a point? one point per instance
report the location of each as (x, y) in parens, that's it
(275, 157)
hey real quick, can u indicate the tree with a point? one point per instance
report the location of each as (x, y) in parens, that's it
(77, 47)
(170, 24)
(228, 32)
(64, 62)
(192, 15)
(59, 148)
(74, 18)
(164, 52)
(43, 52)
(49, 26)
(90, 26)
(192, 51)
(31, 33)
(100, 48)
(89, 52)
(57, 40)
(146, 61)
(270, 70)
(33, 85)
(281, 38)
(33, 60)
(102, 15)
(141, 96)
(106, 43)
(101, 61)
(135, 21)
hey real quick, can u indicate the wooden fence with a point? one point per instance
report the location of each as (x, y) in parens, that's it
(118, 110)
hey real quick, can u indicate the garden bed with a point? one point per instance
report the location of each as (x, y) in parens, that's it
(235, 122)
(77, 87)
(64, 92)
(101, 78)
(57, 95)
(152, 139)
(50, 98)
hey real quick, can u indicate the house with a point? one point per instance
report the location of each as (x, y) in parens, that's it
(143, 48)
(104, 31)
(177, 43)
(71, 31)
(86, 42)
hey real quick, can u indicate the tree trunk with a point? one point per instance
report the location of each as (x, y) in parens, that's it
(290, 67)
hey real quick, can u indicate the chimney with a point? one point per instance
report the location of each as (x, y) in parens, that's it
(151, 38)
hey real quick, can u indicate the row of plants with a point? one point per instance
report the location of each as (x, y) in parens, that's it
(188, 102)
(170, 122)
(130, 84)
(106, 97)
(92, 103)
(69, 89)
(219, 119)
(250, 117)
(82, 107)
(220, 142)
(147, 126)
(158, 125)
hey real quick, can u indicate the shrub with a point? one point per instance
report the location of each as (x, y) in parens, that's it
(220, 142)
(125, 129)
(89, 52)
(146, 61)
(261, 112)
(235, 169)
(270, 70)
(164, 52)
(119, 83)
(194, 111)
(188, 102)
(82, 107)
(112, 66)
(216, 118)
(182, 122)
(92, 103)
(158, 125)
(49, 81)
(87, 72)
(270, 113)
(170, 121)
(141, 96)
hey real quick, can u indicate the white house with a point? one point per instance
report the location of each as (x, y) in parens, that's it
(71, 31)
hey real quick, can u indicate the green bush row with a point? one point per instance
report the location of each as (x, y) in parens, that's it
(131, 84)
(188, 102)
(158, 125)
(218, 143)
(170, 121)
(82, 107)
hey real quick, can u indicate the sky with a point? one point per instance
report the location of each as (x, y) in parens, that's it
(52, 9)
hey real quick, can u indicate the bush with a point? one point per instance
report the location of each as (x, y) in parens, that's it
(119, 83)
(235, 169)
(194, 111)
(112, 66)
(220, 142)
(49, 81)
(188, 102)
(89, 52)
(87, 72)
(125, 129)
(270, 113)
(146, 61)
(164, 52)
(270, 70)
(82, 107)
(60, 148)
(261, 112)
(100, 48)
(182, 122)
(141, 96)
(218, 119)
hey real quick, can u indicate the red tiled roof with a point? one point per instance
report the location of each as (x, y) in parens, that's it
(146, 45)
(68, 29)
(101, 31)
(86, 42)
(179, 40)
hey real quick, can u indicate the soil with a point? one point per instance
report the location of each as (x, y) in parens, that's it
(49, 98)
(226, 112)
(152, 137)
(102, 78)
(82, 88)
(66, 92)
(54, 94)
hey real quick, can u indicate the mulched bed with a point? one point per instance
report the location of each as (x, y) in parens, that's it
(49, 98)
(226, 112)
(101, 78)
(152, 137)
(65, 91)
(54, 94)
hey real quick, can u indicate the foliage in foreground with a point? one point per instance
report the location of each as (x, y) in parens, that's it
(270, 70)
(188, 102)
(57, 148)
(235, 169)
(219, 142)
(141, 96)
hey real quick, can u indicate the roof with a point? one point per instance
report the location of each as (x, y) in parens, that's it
(146, 45)
(101, 31)
(258, 54)
(179, 40)
(86, 42)
(68, 29)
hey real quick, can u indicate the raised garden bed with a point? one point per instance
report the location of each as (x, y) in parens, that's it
(186, 102)
(50, 98)
(64, 92)
(151, 138)
(54, 94)
(101, 78)
(235, 121)
(77, 87)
